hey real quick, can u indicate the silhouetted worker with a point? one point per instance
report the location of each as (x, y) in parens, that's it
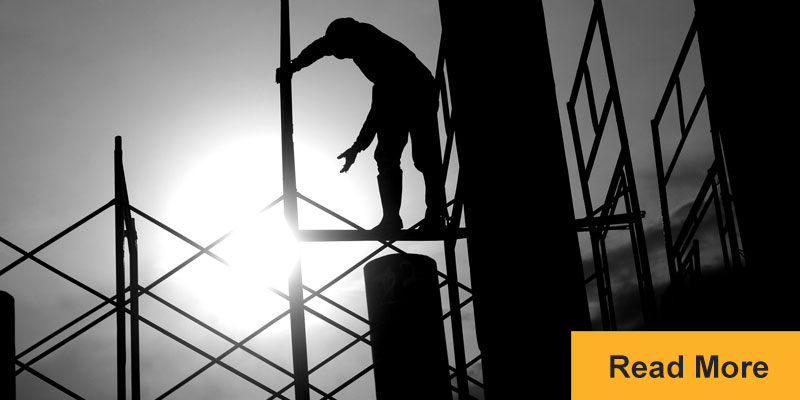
(404, 99)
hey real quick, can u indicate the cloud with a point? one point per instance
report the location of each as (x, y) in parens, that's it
(625, 289)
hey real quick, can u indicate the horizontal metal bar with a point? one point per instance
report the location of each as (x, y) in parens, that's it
(605, 221)
(346, 235)
(347, 272)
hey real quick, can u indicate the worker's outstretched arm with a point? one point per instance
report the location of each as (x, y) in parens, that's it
(364, 139)
(313, 52)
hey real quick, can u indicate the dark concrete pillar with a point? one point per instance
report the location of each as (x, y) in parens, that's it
(406, 329)
(753, 99)
(524, 255)
(7, 348)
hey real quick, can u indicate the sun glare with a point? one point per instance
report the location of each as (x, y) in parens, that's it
(227, 191)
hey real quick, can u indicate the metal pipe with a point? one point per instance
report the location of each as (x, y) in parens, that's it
(649, 301)
(119, 236)
(297, 313)
(134, 266)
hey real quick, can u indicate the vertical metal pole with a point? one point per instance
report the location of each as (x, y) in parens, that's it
(662, 195)
(455, 220)
(7, 349)
(721, 225)
(649, 300)
(297, 313)
(134, 255)
(119, 228)
(455, 308)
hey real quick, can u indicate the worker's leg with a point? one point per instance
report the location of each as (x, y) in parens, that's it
(427, 154)
(392, 138)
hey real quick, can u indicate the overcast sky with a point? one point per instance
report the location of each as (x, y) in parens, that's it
(189, 85)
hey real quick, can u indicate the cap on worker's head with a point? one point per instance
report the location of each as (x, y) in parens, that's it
(340, 26)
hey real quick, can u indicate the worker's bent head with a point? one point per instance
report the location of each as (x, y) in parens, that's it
(341, 35)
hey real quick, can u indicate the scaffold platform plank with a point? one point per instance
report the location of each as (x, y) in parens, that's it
(352, 235)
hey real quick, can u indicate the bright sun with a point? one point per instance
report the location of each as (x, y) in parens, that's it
(227, 192)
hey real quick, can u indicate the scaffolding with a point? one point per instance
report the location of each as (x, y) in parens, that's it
(683, 250)
(603, 218)
(124, 304)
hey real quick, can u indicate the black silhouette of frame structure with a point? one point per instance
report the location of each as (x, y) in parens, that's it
(605, 217)
(683, 249)
(125, 301)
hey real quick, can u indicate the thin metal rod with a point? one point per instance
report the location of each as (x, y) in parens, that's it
(54, 270)
(337, 325)
(348, 382)
(721, 226)
(335, 304)
(662, 106)
(131, 237)
(119, 234)
(297, 313)
(61, 329)
(456, 322)
(50, 241)
(304, 234)
(663, 201)
(649, 301)
(67, 339)
(240, 344)
(460, 306)
(218, 333)
(213, 360)
(290, 385)
(203, 250)
(346, 235)
(352, 343)
(50, 381)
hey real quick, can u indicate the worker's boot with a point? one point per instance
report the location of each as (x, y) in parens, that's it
(390, 187)
(435, 219)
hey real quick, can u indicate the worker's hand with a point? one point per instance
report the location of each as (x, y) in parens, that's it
(284, 74)
(349, 156)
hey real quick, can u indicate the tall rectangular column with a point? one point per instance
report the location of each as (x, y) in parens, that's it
(524, 255)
